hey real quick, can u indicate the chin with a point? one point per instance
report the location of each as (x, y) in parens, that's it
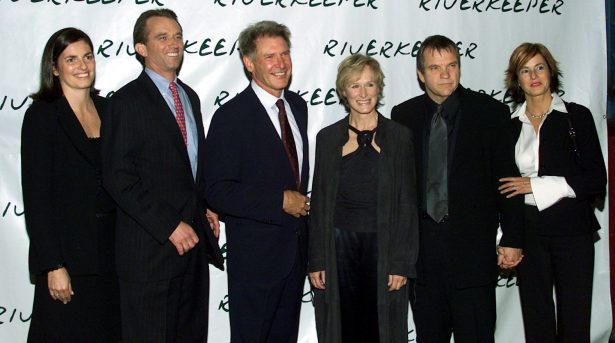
(281, 85)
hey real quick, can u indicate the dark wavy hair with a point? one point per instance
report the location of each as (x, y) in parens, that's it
(519, 58)
(50, 88)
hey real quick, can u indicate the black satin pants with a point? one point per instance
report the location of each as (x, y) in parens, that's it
(357, 258)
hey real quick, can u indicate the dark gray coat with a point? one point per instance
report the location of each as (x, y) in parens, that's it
(397, 226)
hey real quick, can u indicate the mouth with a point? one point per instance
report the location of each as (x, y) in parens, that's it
(173, 53)
(535, 84)
(279, 74)
(82, 75)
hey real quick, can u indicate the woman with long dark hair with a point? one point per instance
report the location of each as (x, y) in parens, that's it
(69, 216)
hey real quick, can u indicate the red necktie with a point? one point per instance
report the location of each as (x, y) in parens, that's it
(288, 141)
(179, 112)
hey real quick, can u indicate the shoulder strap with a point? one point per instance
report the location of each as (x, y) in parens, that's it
(572, 133)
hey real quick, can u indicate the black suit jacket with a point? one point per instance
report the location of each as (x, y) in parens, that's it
(483, 153)
(585, 175)
(60, 185)
(246, 172)
(147, 171)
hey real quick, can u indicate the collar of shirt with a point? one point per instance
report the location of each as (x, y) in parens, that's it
(265, 98)
(450, 107)
(191, 130)
(161, 83)
(268, 101)
(557, 104)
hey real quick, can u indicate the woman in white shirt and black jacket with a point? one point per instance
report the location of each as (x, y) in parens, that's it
(558, 154)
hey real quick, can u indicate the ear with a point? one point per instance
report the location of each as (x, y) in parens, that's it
(141, 49)
(247, 63)
(420, 74)
(55, 71)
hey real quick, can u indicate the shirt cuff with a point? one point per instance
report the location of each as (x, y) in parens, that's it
(548, 190)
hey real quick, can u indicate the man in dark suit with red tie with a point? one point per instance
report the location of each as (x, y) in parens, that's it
(463, 146)
(153, 154)
(256, 173)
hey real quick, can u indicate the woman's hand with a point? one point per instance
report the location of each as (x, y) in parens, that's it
(58, 282)
(318, 279)
(513, 186)
(396, 282)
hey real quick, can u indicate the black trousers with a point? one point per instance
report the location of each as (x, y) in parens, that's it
(266, 312)
(357, 269)
(563, 262)
(440, 308)
(168, 311)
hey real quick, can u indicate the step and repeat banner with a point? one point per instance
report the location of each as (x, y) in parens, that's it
(323, 33)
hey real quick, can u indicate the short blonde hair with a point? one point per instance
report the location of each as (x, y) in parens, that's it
(352, 67)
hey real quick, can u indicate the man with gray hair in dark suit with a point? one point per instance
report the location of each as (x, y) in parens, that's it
(256, 172)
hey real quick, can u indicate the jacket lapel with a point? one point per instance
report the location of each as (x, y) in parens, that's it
(383, 140)
(165, 117)
(262, 118)
(301, 119)
(516, 128)
(195, 105)
(73, 129)
(464, 131)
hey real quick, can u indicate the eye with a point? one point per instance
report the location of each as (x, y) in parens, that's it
(524, 71)
(88, 57)
(371, 84)
(433, 68)
(70, 60)
(540, 68)
(354, 86)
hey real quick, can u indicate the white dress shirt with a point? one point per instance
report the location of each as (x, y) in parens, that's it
(546, 190)
(268, 101)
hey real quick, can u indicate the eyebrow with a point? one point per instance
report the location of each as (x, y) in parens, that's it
(527, 65)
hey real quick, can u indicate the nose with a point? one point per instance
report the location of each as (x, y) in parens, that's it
(81, 64)
(362, 91)
(445, 74)
(279, 62)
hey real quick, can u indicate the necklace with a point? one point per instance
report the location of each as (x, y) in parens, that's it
(535, 116)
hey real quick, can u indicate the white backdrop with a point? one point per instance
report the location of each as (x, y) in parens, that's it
(324, 32)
